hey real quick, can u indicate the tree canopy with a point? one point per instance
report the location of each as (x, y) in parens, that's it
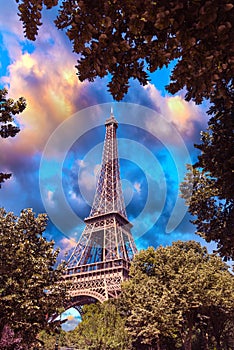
(102, 327)
(127, 38)
(178, 297)
(29, 291)
(8, 109)
(208, 187)
(176, 294)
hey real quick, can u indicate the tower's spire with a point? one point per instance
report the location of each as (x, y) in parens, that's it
(111, 119)
(109, 197)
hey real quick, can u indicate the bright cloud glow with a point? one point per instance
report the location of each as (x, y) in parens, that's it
(176, 109)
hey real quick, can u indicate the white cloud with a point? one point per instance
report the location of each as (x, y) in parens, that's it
(87, 180)
(50, 198)
(137, 187)
(72, 195)
(81, 163)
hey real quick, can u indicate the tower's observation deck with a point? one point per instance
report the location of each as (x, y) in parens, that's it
(101, 258)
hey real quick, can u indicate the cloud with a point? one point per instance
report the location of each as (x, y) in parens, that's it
(10, 19)
(45, 75)
(50, 199)
(80, 182)
(49, 87)
(87, 181)
(175, 109)
(81, 163)
(186, 116)
(73, 318)
(137, 187)
(72, 323)
(43, 72)
(67, 243)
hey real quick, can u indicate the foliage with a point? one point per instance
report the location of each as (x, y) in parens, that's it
(64, 339)
(175, 293)
(102, 327)
(208, 186)
(125, 38)
(29, 290)
(8, 109)
(30, 15)
(48, 339)
(9, 341)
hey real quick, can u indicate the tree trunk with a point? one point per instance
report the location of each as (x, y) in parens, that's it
(188, 339)
(218, 345)
(205, 341)
(158, 344)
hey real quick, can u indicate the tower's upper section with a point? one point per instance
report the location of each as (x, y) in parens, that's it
(111, 120)
(109, 196)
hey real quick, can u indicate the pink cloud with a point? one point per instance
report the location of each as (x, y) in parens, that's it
(47, 78)
(175, 109)
(66, 244)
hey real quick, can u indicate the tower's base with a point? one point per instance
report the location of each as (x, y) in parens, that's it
(98, 281)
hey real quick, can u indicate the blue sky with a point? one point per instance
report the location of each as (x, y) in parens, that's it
(56, 156)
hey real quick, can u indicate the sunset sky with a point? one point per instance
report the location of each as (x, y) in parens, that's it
(56, 156)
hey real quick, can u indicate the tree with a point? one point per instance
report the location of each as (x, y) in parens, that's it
(208, 186)
(8, 109)
(125, 38)
(150, 320)
(102, 327)
(29, 288)
(172, 294)
(9, 341)
(48, 339)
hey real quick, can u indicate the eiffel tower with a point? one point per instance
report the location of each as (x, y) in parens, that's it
(101, 259)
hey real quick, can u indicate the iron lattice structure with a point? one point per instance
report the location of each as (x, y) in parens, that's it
(101, 259)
